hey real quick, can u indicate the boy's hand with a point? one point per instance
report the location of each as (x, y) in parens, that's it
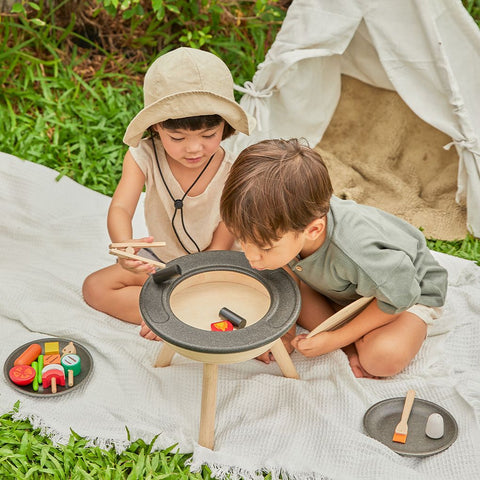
(268, 357)
(319, 344)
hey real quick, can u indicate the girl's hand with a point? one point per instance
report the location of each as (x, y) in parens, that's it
(319, 344)
(137, 266)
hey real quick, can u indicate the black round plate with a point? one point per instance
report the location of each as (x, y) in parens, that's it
(381, 419)
(82, 352)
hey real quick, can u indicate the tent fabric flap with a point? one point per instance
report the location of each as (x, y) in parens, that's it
(428, 52)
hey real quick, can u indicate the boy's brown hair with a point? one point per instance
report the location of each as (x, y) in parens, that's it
(275, 187)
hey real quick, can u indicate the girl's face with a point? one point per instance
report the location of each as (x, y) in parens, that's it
(191, 148)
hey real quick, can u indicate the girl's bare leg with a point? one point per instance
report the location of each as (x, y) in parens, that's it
(115, 291)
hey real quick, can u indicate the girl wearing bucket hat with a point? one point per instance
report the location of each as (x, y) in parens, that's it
(189, 108)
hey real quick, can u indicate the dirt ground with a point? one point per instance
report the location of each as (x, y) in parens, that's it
(380, 153)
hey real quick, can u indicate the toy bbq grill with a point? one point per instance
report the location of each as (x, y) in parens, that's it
(181, 302)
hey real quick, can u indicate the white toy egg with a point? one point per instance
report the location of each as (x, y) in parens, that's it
(435, 426)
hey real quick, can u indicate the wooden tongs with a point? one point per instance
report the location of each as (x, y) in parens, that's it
(342, 316)
(125, 250)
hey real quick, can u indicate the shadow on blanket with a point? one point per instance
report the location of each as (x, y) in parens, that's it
(53, 234)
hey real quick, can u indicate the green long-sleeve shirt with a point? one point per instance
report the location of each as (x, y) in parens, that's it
(368, 252)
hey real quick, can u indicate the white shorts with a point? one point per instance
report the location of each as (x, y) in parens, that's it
(427, 314)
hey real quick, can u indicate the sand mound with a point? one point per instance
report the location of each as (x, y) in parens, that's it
(380, 153)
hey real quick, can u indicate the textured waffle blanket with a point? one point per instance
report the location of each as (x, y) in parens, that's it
(53, 234)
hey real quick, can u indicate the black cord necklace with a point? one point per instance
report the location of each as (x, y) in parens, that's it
(178, 203)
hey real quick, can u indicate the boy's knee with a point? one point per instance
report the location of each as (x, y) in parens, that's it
(383, 359)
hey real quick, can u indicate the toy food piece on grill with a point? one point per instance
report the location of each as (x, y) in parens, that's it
(22, 374)
(53, 375)
(222, 326)
(72, 366)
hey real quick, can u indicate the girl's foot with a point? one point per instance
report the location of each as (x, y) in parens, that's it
(145, 332)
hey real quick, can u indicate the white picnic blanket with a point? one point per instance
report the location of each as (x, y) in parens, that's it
(53, 234)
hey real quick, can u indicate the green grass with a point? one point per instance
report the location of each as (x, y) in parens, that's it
(26, 453)
(63, 110)
(60, 108)
(468, 248)
(53, 116)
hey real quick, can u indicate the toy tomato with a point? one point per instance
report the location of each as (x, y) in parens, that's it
(22, 374)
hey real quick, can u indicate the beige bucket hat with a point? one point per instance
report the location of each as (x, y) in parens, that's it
(187, 82)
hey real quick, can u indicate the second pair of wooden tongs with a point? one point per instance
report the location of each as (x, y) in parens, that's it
(126, 250)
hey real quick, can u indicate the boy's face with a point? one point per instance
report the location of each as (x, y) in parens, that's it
(278, 254)
(190, 148)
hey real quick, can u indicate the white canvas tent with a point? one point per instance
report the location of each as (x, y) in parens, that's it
(428, 51)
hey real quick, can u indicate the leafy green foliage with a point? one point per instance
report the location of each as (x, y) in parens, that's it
(26, 453)
(68, 112)
(473, 8)
(468, 248)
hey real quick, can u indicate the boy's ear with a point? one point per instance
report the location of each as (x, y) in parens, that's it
(316, 228)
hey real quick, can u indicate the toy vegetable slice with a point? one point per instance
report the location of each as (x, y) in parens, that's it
(22, 374)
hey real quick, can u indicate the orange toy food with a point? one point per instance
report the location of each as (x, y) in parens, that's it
(51, 359)
(222, 326)
(29, 355)
(22, 374)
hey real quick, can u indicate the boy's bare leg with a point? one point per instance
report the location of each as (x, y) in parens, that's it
(387, 350)
(116, 291)
(354, 361)
(382, 352)
(315, 308)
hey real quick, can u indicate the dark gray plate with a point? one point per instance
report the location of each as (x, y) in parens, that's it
(85, 359)
(381, 419)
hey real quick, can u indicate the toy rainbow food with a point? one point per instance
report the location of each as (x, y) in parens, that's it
(53, 375)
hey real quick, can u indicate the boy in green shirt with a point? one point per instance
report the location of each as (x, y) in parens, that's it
(278, 202)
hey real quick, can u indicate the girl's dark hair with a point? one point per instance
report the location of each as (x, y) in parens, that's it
(275, 187)
(198, 123)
